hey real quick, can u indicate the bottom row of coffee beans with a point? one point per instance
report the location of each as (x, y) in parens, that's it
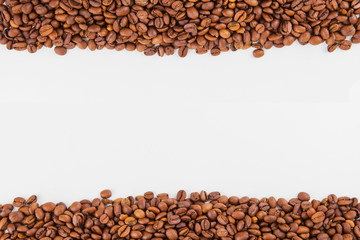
(197, 216)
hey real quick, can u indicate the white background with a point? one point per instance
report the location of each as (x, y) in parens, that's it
(71, 126)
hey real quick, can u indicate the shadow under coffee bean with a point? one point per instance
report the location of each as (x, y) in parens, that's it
(198, 216)
(163, 26)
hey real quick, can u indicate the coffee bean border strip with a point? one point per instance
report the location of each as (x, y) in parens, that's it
(163, 26)
(200, 216)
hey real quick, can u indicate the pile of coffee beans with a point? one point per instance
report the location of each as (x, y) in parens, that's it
(163, 26)
(200, 216)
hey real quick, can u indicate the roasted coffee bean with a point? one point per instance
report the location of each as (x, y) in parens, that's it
(48, 207)
(183, 51)
(181, 195)
(105, 193)
(318, 217)
(258, 53)
(303, 196)
(19, 202)
(60, 51)
(171, 234)
(345, 45)
(16, 216)
(348, 30)
(46, 30)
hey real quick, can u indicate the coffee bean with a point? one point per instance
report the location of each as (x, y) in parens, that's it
(48, 207)
(171, 234)
(150, 51)
(214, 196)
(78, 219)
(183, 51)
(252, 3)
(224, 33)
(192, 13)
(221, 232)
(215, 52)
(181, 195)
(303, 196)
(222, 220)
(19, 202)
(270, 218)
(207, 6)
(318, 217)
(345, 45)
(242, 236)
(348, 30)
(258, 53)
(124, 231)
(139, 213)
(105, 193)
(315, 40)
(94, 28)
(16, 217)
(31, 199)
(60, 51)
(126, 32)
(332, 47)
(46, 30)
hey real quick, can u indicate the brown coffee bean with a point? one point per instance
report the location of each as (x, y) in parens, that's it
(332, 47)
(221, 232)
(48, 207)
(242, 236)
(136, 234)
(348, 30)
(16, 216)
(303, 196)
(224, 33)
(60, 51)
(14, 32)
(105, 193)
(223, 220)
(315, 40)
(258, 53)
(345, 45)
(214, 196)
(207, 5)
(240, 16)
(192, 13)
(252, 3)
(318, 217)
(124, 231)
(139, 213)
(269, 236)
(46, 30)
(181, 195)
(183, 51)
(130, 221)
(19, 202)
(171, 234)
(270, 218)
(126, 32)
(150, 51)
(122, 11)
(94, 28)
